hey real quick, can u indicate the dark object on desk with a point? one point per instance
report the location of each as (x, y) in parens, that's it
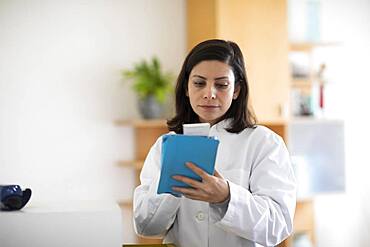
(13, 198)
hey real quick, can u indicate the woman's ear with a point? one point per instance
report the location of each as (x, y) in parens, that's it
(236, 91)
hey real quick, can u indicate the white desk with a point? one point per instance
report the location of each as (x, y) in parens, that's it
(67, 224)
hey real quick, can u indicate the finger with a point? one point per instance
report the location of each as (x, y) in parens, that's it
(197, 170)
(193, 183)
(185, 191)
(191, 194)
(217, 174)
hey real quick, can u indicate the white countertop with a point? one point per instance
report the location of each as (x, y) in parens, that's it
(73, 223)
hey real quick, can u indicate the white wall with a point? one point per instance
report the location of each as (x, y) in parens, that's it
(61, 90)
(344, 219)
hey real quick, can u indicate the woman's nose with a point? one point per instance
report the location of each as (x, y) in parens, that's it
(209, 93)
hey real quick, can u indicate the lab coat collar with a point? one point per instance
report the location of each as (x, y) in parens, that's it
(222, 125)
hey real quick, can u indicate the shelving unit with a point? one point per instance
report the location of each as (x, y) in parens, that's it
(301, 86)
(146, 133)
(304, 220)
(302, 77)
(309, 46)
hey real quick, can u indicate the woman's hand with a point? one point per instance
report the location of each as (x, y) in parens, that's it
(213, 189)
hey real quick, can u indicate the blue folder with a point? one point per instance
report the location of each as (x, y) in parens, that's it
(179, 149)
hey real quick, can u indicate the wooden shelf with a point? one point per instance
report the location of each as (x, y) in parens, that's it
(302, 82)
(145, 134)
(137, 164)
(162, 123)
(125, 203)
(309, 46)
(142, 123)
(273, 122)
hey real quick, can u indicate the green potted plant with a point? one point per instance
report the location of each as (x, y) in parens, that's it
(152, 85)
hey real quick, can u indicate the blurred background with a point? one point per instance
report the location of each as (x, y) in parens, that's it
(62, 93)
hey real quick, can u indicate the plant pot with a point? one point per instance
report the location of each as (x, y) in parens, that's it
(150, 108)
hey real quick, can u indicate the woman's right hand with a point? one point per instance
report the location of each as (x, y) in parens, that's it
(212, 188)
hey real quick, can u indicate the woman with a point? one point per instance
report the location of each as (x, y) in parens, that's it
(250, 199)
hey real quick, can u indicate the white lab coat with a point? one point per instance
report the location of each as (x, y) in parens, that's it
(262, 202)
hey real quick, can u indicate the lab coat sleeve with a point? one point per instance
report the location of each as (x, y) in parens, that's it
(153, 214)
(264, 212)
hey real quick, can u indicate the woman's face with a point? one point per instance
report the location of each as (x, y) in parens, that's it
(211, 90)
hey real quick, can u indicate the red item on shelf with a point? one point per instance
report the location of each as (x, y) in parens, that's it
(321, 103)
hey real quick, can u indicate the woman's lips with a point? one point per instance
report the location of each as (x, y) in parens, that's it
(209, 106)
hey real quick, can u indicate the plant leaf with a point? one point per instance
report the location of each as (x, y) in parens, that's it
(148, 79)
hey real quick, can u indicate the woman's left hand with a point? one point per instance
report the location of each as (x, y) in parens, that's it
(213, 189)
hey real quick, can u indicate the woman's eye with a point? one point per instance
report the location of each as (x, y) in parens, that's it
(222, 85)
(199, 83)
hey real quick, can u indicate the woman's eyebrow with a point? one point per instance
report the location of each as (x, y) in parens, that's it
(221, 78)
(199, 76)
(217, 78)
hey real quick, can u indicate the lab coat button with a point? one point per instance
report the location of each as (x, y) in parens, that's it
(200, 216)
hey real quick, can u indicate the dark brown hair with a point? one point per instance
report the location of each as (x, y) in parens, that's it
(224, 51)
